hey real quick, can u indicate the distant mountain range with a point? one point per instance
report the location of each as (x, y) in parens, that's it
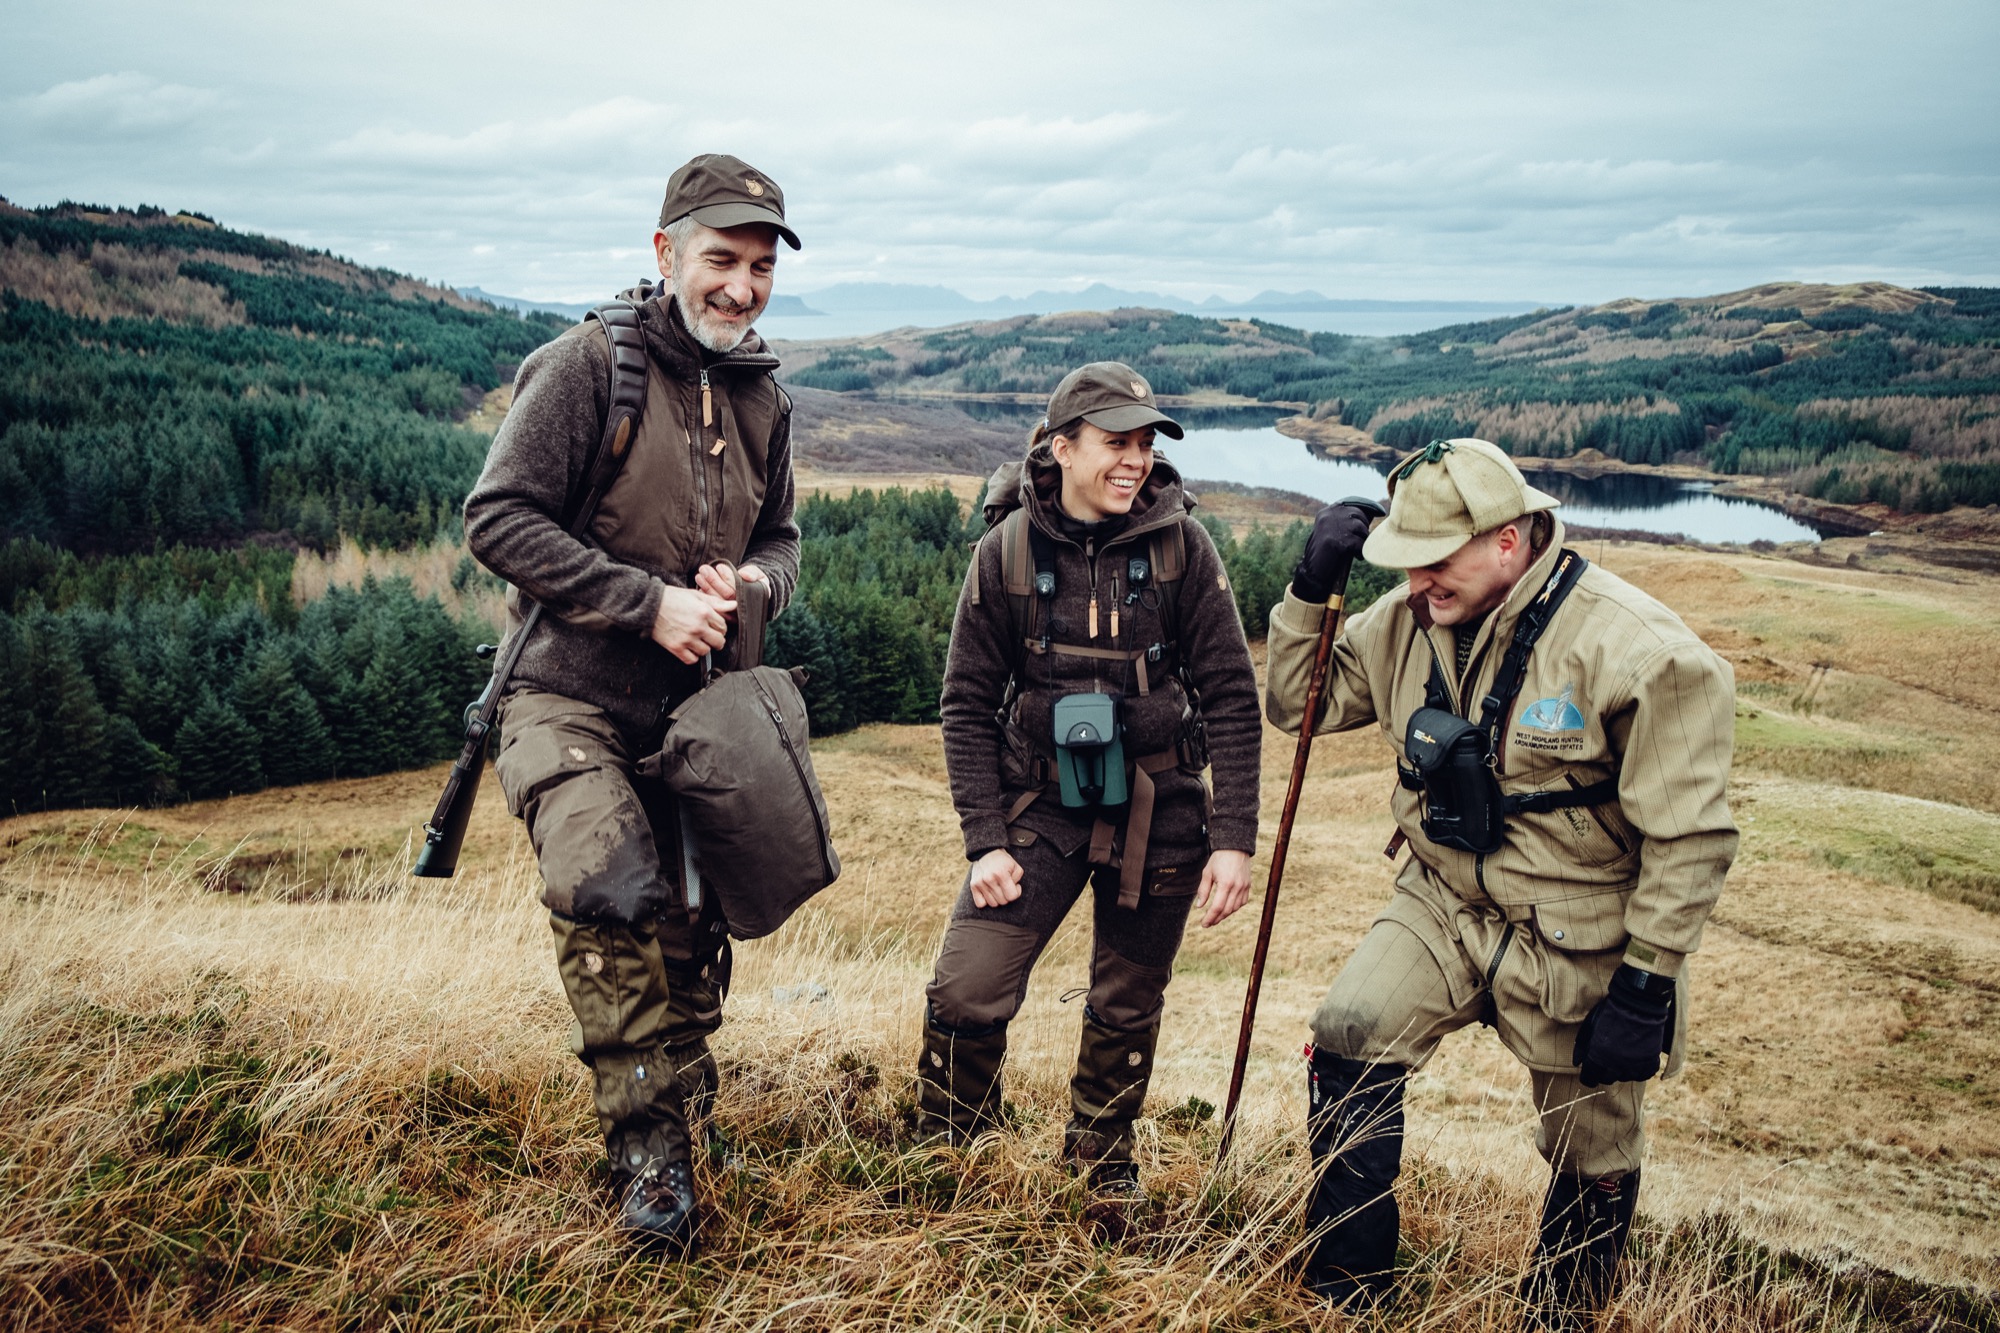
(858, 297)
(913, 303)
(789, 306)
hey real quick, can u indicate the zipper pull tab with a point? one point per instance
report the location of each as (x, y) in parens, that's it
(1093, 615)
(1114, 608)
(707, 403)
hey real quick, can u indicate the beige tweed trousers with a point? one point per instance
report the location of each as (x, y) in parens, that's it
(1432, 964)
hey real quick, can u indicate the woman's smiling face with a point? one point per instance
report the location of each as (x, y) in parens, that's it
(1102, 470)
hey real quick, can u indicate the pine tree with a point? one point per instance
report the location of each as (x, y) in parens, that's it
(217, 751)
(141, 772)
(801, 638)
(296, 746)
(70, 761)
(401, 703)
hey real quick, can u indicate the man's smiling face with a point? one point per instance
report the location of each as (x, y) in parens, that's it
(721, 279)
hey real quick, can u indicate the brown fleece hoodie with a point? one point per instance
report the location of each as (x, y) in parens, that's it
(989, 757)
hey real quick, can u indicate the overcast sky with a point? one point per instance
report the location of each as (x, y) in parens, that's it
(1549, 152)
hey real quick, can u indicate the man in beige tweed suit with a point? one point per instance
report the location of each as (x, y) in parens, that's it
(1565, 923)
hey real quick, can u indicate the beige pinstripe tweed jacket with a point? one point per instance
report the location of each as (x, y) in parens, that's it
(1617, 685)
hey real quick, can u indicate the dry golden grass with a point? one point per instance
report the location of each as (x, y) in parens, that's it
(441, 569)
(256, 1077)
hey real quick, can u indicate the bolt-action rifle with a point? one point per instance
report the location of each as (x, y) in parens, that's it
(445, 833)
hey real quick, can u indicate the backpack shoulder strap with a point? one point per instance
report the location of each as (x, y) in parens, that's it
(627, 398)
(1166, 551)
(1018, 557)
(1169, 552)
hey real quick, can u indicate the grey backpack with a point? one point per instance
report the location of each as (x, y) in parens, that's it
(754, 828)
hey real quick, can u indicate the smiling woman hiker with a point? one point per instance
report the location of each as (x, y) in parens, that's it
(1097, 663)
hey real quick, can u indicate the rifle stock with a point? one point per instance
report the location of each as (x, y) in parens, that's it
(444, 834)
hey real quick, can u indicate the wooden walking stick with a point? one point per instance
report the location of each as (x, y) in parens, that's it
(1329, 629)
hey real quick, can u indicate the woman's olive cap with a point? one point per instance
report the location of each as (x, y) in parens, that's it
(1444, 495)
(1111, 396)
(720, 191)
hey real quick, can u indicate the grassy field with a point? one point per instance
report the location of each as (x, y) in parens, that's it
(251, 1076)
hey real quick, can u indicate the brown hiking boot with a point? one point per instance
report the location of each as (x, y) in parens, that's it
(654, 1183)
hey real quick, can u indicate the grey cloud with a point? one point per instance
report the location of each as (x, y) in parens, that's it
(117, 106)
(1558, 152)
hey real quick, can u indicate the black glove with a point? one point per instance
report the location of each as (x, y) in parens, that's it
(1333, 545)
(1626, 1032)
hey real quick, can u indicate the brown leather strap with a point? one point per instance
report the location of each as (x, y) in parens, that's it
(1139, 824)
(1021, 804)
(1077, 650)
(1101, 853)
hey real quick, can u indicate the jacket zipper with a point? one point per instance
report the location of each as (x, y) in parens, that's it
(798, 770)
(699, 457)
(1090, 556)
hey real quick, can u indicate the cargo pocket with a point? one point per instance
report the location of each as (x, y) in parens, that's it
(1582, 941)
(1174, 881)
(543, 743)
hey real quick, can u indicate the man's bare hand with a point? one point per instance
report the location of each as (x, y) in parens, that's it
(692, 623)
(1225, 885)
(996, 879)
(715, 581)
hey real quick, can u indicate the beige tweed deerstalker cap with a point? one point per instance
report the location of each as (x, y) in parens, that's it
(1444, 495)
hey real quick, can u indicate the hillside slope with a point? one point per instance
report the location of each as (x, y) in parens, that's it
(256, 1076)
(1857, 393)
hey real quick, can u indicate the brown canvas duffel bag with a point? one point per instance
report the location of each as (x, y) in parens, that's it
(754, 827)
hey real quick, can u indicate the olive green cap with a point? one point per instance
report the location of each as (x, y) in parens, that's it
(721, 191)
(1444, 495)
(1111, 396)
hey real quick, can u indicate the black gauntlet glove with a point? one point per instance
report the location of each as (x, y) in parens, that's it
(1626, 1032)
(1333, 545)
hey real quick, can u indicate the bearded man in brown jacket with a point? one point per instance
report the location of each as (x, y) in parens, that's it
(707, 484)
(1556, 880)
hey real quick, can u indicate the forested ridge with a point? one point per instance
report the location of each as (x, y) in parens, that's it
(186, 412)
(183, 410)
(1868, 393)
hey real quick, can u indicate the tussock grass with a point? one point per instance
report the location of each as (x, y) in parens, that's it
(252, 1076)
(239, 1111)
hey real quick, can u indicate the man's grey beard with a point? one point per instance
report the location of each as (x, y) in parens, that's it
(695, 316)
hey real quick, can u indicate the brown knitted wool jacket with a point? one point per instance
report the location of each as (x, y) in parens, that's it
(991, 759)
(679, 501)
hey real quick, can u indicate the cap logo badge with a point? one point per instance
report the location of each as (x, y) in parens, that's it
(1138, 388)
(755, 187)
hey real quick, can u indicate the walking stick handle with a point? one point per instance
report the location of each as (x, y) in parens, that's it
(1329, 630)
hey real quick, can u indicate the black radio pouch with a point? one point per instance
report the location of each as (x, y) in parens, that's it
(1452, 761)
(1462, 806)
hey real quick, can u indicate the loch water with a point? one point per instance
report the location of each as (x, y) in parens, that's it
(1243, 445)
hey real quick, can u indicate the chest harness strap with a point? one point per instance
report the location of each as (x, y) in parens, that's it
(1028, 566)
